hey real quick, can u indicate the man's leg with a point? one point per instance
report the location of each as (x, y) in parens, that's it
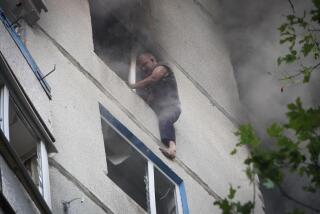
(167, 131)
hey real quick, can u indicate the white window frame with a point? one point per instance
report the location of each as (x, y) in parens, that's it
(151, 200)
(4, 111)
(151, 190)
(133, 66)
(44, 179)
(42, 154)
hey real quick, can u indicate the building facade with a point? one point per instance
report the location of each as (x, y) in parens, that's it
(76, 139)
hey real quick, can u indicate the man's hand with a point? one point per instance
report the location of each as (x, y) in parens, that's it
(130, 85)
(157, 74)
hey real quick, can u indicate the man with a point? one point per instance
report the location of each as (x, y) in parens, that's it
(163, 98)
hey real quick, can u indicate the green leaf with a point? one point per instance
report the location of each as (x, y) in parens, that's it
(316, 3)
(224, 205)
(307, 48)
(289, 39)
(290, 58)
(232, 192)
(247, 136)
(306, 74)
(234, 151)
(291, 18)
(275, 130)
(268, 184)
(246, 208)
(283, 27)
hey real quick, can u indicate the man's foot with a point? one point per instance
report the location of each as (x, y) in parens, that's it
(171, 151)
(169, 154)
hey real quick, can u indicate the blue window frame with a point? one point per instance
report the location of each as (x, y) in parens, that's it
(25, 53)
(145, 151)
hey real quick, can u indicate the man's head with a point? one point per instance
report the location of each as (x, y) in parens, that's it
(146, 62)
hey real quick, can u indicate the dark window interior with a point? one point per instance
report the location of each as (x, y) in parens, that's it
(118, 29)
(113, 44)
(24, 141)
(115, 34)
(165, 194)
(126, 167)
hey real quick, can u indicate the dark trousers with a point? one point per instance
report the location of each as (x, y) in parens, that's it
(167, 116)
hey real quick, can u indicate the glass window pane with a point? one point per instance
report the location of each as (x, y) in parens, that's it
(24, 142)
(126, 167)
(165, 194)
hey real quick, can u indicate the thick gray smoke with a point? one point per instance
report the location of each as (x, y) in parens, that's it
(250, 29)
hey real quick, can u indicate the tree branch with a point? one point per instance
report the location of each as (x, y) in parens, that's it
(314, 30)
(292, 6)
(315, 66)
(254, 195)
(300, 73)
(286, 195)
(291, 76)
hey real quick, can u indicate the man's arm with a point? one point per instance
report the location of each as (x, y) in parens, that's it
(157, 74)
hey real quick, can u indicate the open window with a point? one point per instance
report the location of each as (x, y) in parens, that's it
(119, 35)
(165, 194)
(126, 167)
(138, 176)
(114, 41)
(27, 145)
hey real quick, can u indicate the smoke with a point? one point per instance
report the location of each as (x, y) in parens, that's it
(250, 30)
(119, 29)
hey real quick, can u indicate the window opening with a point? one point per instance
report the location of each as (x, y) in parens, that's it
(117, 35)
(126, 167)
(165, 194)
(28, 146)
(120, 34)
(113, 43)
(137, 176)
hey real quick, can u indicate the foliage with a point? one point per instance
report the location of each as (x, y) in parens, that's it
(296, 147)
(296, 143)
(228, 206)
(301, 34)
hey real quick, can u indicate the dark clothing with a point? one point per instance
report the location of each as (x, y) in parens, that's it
(166, 119)
(166, 104)
(165, 91)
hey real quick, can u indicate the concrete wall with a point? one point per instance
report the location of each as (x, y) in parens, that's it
(14, 192)
(207, 89)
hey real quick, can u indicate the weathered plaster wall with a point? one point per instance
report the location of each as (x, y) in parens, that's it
(204, 132)
(70, 191)
(14, 192)
(25, 75)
